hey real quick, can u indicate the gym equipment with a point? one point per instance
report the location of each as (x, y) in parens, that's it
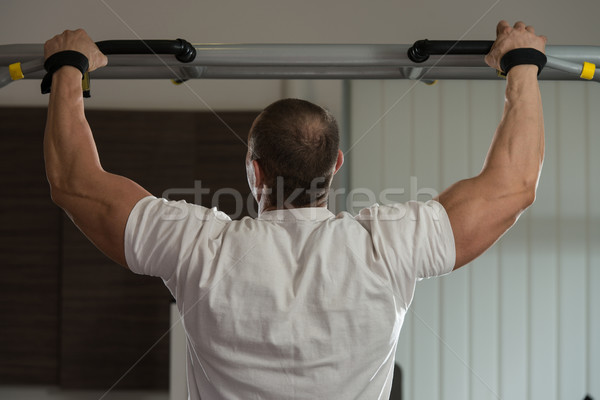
(179, 60)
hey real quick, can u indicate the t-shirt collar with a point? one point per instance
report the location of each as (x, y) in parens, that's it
(302, 214)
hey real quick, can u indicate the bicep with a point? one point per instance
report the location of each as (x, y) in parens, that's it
(480, 212)
(100, 207)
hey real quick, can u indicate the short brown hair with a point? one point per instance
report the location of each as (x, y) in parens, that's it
(295, 143)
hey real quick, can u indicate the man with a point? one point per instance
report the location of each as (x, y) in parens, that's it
(297, 303)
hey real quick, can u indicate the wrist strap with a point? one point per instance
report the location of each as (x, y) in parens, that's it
(59, 60)
(522, 56)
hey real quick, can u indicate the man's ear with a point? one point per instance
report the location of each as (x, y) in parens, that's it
(339, 161)
(259, 177)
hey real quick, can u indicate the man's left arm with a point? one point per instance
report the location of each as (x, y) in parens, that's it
(483, 208)
(98, 202)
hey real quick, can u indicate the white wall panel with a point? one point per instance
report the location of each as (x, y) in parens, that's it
(513, 313)
(426, 305)
(364, 154)
(484, 335)
(572, 240)
(593, 298)
(523, 320)
(454, 307)
(398, 143)
(543, 352)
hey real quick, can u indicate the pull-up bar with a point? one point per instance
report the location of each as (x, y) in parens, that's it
(179, 60)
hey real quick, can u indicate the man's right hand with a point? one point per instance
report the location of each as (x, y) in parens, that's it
(509, 39)
(78, 41)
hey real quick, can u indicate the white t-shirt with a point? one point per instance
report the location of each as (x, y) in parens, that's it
(297, 304)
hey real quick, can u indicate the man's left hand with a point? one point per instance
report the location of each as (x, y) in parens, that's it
(77, 41)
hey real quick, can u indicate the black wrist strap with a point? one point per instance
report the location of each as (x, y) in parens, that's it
(522, 56)
(59, 60)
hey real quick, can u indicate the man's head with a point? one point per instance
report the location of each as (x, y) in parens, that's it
(293, 153)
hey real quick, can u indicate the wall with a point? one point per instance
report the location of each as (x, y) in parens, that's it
(523, 320)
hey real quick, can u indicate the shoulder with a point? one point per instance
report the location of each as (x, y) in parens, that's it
(171, 210)
(410, 211)
(163, 215)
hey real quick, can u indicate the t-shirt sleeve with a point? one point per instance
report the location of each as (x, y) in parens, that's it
(162, 236)
(414, 240)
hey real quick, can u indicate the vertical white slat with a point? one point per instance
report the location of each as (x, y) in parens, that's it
(454, 134)
(572, 257)
(427, 148)
(593, 152)
(425, 307)
(364, 150)
(544, 262)
(396, 175)
(513, 312)
(486, 101)
(397, 149)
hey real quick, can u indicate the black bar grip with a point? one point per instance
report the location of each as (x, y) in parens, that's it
(181, 49)
(422, 49)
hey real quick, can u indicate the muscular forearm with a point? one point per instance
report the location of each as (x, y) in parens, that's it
(69, 149)
(515, 157)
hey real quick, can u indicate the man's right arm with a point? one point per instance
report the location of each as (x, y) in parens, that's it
(482, 208)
